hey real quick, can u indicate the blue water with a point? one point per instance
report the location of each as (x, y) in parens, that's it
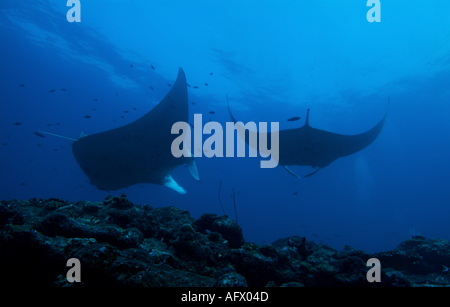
(274, 59)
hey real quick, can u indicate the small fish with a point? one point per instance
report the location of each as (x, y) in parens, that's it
(131, 65)
(39, 134)
(151, 87)
(293, 119)
(134, 109)
(152, 67)
(193, 103)
(295, 193)
(56, 149)
(51, 91)
(87, 116)
(48, 125)
(62, 147)
(63, 89)
(210, 74)
(4, 144)
(22, 85)
(195, 86)
(126, 112)
(23, 183)
(212, 112)
(117, 93)
(121, 116)
(57, 124)
(39, 145)
(206, 84)
(94, 109)
(17, 123)
(169, 84)
(173, 107)
(95, 99)
(188, 85)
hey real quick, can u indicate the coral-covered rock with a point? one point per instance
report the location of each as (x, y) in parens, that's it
(232, 279)
(229, 230)
(122, 244)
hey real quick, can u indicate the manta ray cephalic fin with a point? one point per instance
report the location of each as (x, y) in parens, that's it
(291, 172)
(191, 164)
(172, 184)
(312, 173)
(300, 177)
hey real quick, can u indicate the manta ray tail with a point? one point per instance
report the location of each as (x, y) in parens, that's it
(59, 136)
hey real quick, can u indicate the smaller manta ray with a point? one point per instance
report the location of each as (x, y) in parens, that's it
(139, 152)
(314, 147)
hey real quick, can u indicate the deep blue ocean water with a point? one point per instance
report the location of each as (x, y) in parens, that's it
(274, 60)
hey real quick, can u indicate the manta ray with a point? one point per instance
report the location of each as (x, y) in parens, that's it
(139, 152)
(313, 147)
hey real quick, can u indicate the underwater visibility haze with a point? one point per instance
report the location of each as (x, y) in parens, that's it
(274, 60)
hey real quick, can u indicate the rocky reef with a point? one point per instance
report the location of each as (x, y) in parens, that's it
(122, 244)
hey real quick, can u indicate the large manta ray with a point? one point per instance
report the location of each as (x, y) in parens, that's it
(314, 147)
(139, 152)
